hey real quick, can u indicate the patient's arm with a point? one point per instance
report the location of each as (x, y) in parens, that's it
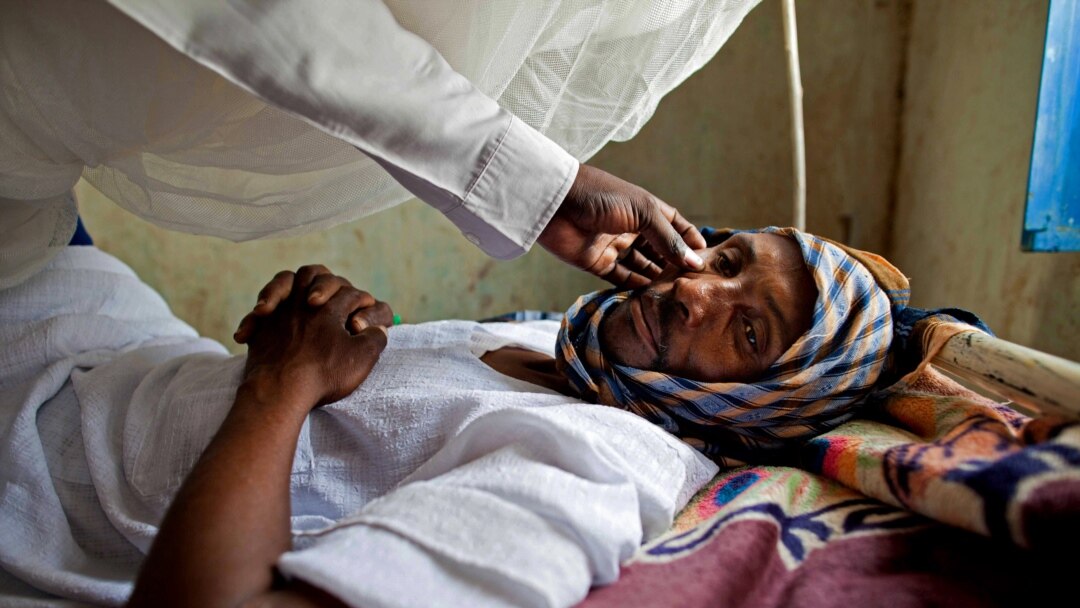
(229, 522)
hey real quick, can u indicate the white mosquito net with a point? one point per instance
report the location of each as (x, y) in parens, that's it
(178, 145)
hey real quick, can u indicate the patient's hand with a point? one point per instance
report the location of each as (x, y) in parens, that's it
(315, 340)
(229, 521)
(320, 285)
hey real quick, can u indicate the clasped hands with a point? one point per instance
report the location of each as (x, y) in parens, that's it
(312, 338)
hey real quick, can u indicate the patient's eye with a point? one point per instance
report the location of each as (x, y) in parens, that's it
(724, 265)
(751, 335)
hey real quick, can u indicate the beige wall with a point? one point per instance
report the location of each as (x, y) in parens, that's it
(969, 113)
(718, 147)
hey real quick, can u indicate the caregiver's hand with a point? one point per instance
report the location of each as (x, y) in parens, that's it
(619, 232)
(305, 352)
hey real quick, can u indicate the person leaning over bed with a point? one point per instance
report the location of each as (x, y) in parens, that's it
(772, 342)
(348, 68)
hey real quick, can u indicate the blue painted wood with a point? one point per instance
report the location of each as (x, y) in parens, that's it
(1052, 216)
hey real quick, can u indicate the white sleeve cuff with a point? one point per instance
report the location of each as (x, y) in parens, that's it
(516, 193)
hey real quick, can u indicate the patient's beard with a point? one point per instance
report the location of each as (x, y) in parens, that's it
(666, 309)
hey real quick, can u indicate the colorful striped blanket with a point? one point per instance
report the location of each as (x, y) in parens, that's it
(937, 496)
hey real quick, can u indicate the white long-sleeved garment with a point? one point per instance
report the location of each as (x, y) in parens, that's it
(439, 482)
(127, 100)
(394, 97)
(245, 119)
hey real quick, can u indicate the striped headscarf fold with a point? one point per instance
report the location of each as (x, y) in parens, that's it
(810, 389)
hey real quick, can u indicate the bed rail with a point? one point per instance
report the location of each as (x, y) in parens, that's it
(1030, 378)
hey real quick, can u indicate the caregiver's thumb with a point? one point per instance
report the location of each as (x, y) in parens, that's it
(670, 234)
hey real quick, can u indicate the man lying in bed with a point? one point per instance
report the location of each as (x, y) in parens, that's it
(753, 327)
(452, 462)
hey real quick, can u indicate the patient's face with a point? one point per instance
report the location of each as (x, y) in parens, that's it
(727, 323)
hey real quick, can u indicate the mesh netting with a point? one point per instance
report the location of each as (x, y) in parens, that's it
(182, 147)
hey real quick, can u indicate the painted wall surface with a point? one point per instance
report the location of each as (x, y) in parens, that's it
(718, 147)
(969, 114)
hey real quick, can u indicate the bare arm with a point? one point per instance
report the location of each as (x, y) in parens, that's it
(229, 522)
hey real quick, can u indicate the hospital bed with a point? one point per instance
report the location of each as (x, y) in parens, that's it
(960, 487)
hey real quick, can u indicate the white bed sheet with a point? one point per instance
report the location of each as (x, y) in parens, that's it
(440, 481)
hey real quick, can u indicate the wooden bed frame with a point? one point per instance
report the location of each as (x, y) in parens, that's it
(1034, 380)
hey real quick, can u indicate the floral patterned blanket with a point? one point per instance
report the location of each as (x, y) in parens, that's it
(937, 496)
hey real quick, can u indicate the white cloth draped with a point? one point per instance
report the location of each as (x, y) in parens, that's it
(439, 480)
(251, 129)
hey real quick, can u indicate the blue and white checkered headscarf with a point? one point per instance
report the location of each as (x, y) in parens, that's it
(810, 389)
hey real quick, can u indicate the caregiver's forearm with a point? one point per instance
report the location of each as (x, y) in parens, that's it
(230, 520)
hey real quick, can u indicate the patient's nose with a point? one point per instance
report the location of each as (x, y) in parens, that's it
(705, 297)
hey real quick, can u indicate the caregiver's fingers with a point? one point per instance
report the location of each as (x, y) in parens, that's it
(665, 228)
(270, 296)
(640, 263)
(642, 245)
(687, 230)
(341, 305)
(621, 276)
(378, 313)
